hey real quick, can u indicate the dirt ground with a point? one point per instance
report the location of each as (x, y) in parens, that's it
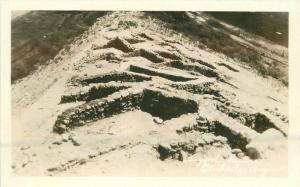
(133, 98)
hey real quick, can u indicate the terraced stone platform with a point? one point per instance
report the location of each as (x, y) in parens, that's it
(165, 93)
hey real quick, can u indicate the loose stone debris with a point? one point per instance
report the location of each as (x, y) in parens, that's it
(132, 98)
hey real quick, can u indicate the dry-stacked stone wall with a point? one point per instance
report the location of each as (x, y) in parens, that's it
(124, 100)
(154, 72)
(155, 102)
(195, 68)
(205, 88)
(95, 92)
(114, 76)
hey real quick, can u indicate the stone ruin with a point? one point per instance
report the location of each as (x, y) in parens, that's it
(136, 88)
(157, 103)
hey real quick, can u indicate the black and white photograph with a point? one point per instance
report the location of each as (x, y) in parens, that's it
(149, 93)
(100, 93)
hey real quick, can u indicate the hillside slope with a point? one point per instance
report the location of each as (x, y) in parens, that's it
(134, 96)
(271, 25)
(38, 36)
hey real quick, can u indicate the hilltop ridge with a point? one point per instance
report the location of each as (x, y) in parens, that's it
(135, 89)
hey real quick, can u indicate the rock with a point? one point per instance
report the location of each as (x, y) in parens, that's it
(60, 128)
(221, 139)
(92, 155)
(120, 44)
(242, 119)
(240, 155)
(283, 118)
(223, 100)
(190, 147)
(164, 150)
(233, 114)
(74, 141)
(64, 137)
(182, 156)
(158, 120)
(208, 139)
(25, 148)
(201, 120)
(253, 151)
(217, 144)
(24, 164)
(203, 128)
(174, 145)
(236, 151)
(81, 122)
(177, 156)
(57, 143)
(187, 129)
(179, 131)
(52, 169)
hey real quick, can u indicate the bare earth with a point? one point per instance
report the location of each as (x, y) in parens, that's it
(141, 100)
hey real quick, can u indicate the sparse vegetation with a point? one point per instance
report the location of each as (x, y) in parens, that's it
(260, 23)
(150, 94)
(39, 35)
(217, 41)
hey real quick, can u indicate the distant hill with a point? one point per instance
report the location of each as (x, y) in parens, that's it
(271, 25)
(212, 34)
(38, 36)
